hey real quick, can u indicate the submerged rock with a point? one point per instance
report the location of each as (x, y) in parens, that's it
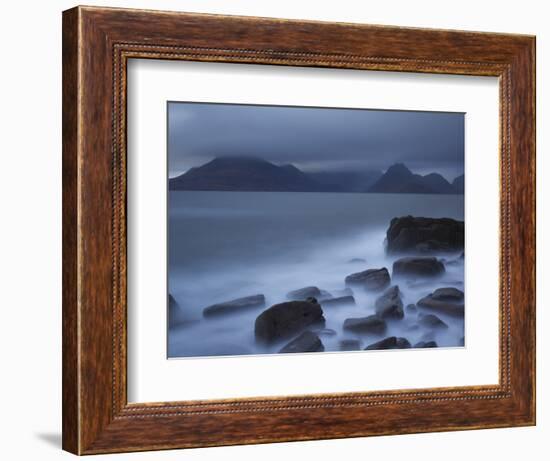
(286, 319)
(176, 315)
(370, 324)
(340, 301)
(357, 261)
(411, 308)
(371, 279)
(413, 267)
(416, 234)
(344, 292)
(350, 345)
(389, 305)
(234, 305)
(391, 342)
(431, 321)
(425, 344)
(305, 342)
(325, 332)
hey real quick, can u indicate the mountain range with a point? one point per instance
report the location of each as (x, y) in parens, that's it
(255, 174)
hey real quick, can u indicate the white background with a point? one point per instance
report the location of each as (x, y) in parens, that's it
(30, 243)
(152, 378)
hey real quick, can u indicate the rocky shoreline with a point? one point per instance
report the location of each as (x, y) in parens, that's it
(421, 249)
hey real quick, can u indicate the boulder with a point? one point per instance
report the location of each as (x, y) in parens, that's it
(305, 342)
(340, 301)
(389, 343)
(370, 324)
(288, 318)
(448, 294)
(410, 234)
(389, 305)
(418, 267)
(431, 321)
(234, 305)
(425, 344)
(371, 279)
(446, 306)
(350, 345)
(411, 308)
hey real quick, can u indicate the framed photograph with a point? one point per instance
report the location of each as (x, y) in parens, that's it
(282, 230)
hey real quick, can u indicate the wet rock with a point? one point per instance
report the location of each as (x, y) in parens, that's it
(389, 305)
(350, 345)
(286, 319)
(431, 321)
(416, 234)
(443, 305)
(391, 342)
(411, 308)
(340, 301)
(461, 341)
(448, 294)
(235, 305)
(357, 261)
(304, 293)
(370, 324)
(413, 327)
(305, 342)
(425, 344)
(371, 279)
(413, 267)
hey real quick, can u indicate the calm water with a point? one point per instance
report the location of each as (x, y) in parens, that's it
(225, 245)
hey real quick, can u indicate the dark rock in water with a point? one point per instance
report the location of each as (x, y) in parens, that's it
(425, 344)
(371, 279)
(357, 261)
(412, 234)
(413, 327)
(286, 319)
(306, 342)
(461, 341)
(344, 292)
(461, 256)
(350, 345)
(325, 332)
(308, 292)
(431, 321)
(412, 267)
(370, 324)
(235, 305)
(304, 293)
(390, 343)
(443, 306)
(411, 308)
(176, 315)
(389, 305)
(340, 301)
(448, 294)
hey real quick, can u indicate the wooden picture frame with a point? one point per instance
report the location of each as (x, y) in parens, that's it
(97, 43)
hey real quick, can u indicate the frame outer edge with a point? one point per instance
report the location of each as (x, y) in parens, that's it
(70, 179)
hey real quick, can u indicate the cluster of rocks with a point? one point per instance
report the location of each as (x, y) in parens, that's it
(301, 321)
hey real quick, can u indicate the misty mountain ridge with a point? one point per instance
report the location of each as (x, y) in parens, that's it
(398, 179)
(246, 173)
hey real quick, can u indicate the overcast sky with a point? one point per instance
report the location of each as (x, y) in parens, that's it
(316, 139)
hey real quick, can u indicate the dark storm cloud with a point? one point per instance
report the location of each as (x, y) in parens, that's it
(316, 139)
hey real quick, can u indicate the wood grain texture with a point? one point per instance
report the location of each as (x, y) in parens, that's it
(97, 43)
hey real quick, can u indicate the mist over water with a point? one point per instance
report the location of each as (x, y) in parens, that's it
(226, 245)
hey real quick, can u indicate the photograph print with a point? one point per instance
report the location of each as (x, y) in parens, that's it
(313, 229)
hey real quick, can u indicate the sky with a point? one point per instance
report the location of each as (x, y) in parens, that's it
(316, 139)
